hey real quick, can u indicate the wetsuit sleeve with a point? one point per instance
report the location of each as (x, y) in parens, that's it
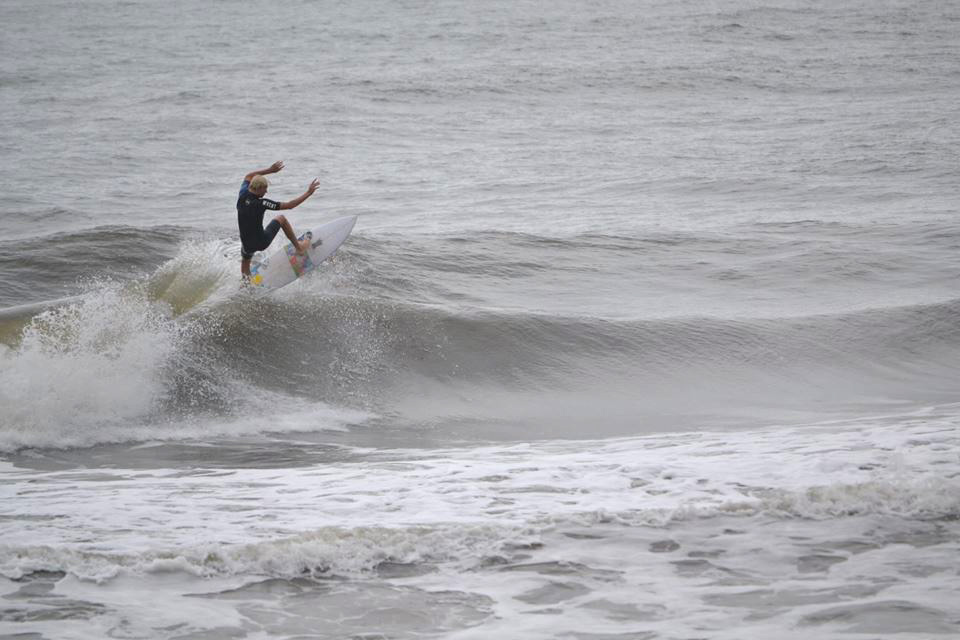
(270, 204)
(244, 187)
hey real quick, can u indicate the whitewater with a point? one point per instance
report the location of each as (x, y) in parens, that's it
(647, 328)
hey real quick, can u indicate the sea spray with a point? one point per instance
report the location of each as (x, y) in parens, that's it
(91, 364)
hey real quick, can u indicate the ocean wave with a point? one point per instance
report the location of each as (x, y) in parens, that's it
(188, 342)
(364, 341)
(116, 364)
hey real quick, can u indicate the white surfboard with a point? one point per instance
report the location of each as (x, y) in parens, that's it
(286, 265)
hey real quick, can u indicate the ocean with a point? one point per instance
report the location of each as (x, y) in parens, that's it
(647, 330)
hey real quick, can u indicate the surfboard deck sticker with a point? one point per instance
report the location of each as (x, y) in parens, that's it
(286, 265)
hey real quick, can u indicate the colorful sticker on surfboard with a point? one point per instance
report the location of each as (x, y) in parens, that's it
(255, 276)
(300, 262)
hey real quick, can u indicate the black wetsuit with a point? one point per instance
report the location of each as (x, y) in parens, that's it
(250, 209)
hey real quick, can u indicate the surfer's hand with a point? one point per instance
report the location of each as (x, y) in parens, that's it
(313, 186)
(276, 166)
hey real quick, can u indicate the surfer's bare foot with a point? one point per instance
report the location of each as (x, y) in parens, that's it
(304, 246)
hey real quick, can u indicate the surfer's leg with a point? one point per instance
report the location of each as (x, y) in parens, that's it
(245, 257)
(288, 231)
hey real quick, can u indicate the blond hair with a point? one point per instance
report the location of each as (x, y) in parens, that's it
(258, 184)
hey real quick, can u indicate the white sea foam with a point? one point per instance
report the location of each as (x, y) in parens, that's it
(95, 363)
(468, 505)
(656, 534)
(783, 531)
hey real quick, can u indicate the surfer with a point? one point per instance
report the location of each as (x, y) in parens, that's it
(250, 209)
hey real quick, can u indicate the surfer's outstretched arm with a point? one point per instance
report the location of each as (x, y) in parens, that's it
(296, 202)
(276, 166)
